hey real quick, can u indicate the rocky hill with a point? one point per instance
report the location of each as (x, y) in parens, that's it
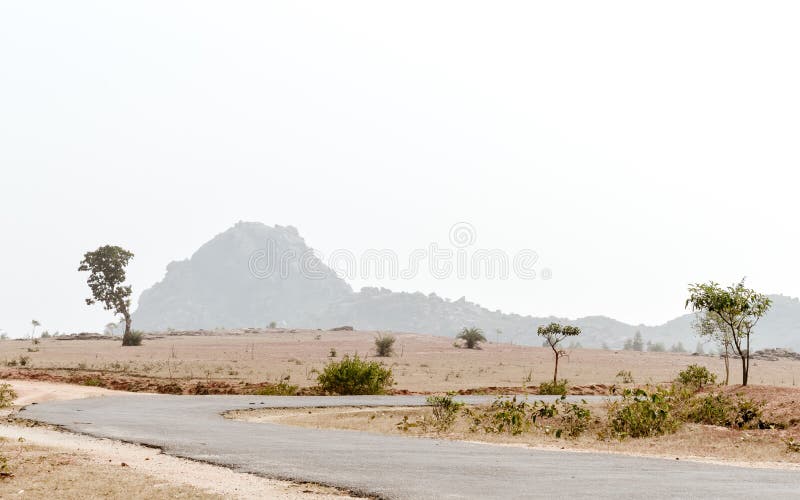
(253, 274)
(247, 276)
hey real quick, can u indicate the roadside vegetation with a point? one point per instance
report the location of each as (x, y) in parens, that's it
(355, 376)
(690, 416)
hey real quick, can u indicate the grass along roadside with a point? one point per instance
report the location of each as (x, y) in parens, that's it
(760, 447)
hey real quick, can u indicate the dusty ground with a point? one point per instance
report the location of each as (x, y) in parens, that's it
(755, 448)
(235, 362)
(49, 463)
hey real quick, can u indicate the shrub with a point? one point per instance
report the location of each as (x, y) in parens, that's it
(558, 388)
(625, 376)
(561, 418)
(792, 446)
(696, 376)
(282, 388)
(332, 353)
(471, 337)
(725, 411)
(355, 376)
(503, 416)
(134, 338)
(445, 411)
(384, 345)
(93, 382)
(272, 324)
(575, 418)
(7, 395)
(643, 414)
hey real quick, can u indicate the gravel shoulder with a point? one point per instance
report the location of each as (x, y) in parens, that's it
(179, 477)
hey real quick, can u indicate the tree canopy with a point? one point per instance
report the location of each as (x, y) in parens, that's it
(553, 334)
(735, 309)
(106, 268)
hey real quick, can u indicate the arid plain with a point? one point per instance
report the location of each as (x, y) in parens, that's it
(226, 361)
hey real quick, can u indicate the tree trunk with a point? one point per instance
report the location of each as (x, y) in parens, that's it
(744, 370)
(727, 359)
(555, 372)
(126, 337)
(746, 362)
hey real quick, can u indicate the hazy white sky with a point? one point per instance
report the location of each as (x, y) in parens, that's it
(636, 146)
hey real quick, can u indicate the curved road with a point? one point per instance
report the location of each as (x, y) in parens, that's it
(395, 466)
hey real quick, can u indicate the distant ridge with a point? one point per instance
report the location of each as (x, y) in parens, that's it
(220, 285)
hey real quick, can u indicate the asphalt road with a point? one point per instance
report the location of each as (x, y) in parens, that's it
(394, 466)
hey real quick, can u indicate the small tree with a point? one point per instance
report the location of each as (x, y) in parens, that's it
(384, 345)
(708, 326)
(553, 334)
(471, 337)
(106, 267)
(736, 309)
(35, 325)
(638, 342)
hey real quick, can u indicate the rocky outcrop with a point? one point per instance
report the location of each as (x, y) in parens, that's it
(250, 275)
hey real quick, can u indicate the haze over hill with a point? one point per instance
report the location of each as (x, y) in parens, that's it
(253, 274)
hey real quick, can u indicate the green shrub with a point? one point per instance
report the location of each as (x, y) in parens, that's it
(355, 376)
(384, 345)
(559, 388)
(643, 414)
(134, 338)
(445, 411)
(7, 395)
(561, 418)
(696, 376)
(93, 382)
(505, 416)
(726, 411)
(575, 419)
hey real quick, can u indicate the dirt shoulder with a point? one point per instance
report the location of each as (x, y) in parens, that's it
(43, 460)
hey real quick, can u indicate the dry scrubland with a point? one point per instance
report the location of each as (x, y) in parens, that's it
(238, 361)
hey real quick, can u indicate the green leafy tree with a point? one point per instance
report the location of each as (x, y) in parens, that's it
(553, 334)
(106, 268)
(471, 337)
(735, 309)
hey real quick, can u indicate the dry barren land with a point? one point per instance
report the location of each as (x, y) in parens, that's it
(238, 361)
